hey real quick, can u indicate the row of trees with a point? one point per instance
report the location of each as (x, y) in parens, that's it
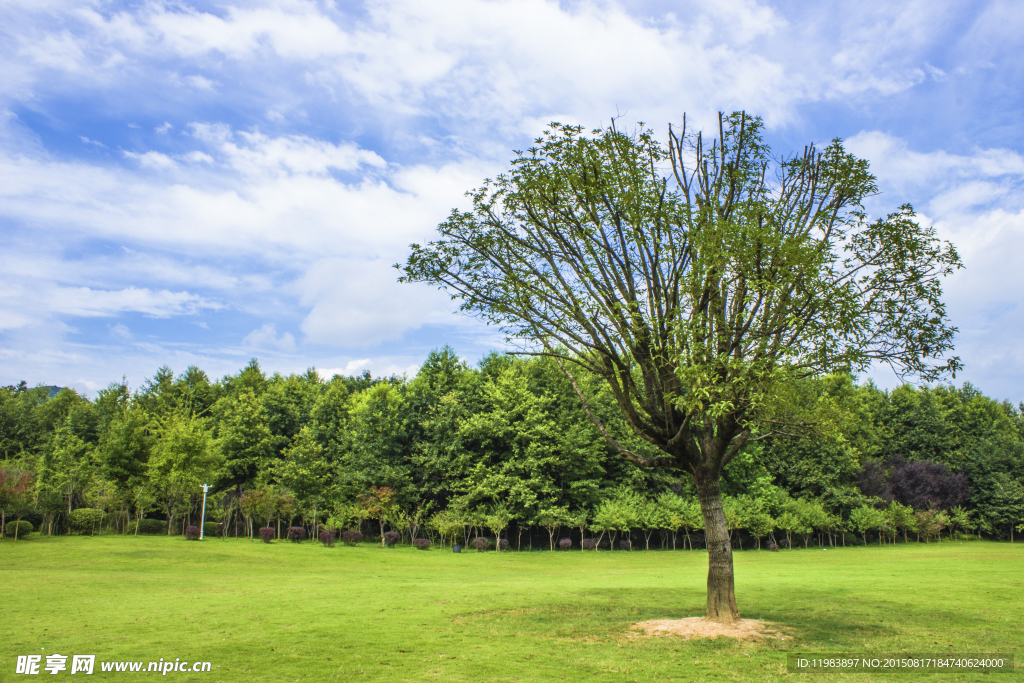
(504, 448)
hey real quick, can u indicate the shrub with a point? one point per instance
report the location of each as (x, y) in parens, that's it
(391, 538)
(211, 529)
(267, 534)
(149, 526)
(84, 520)
(503, 543)
(773, 547)
(482, 544)
(351, 537)
(23, 527)
(192, 533)
(296, 534)
(589, 544)
(624, 544)
(220, 529)
(565, 544)
(422, 543)
(327, 538)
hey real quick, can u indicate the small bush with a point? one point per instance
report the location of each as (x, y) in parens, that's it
(589, 544)
(192, 533)
(421, 543)
(267, 534)
(773, 547)
(220, 529)
(149, 526)
(210, 529)
(24, 528)
(327, 538)
(351, 537)
(503, 543)
(565, 544)
(482, 544)
(391, 538)
(296, 534)
(84, 520)
(625, 545)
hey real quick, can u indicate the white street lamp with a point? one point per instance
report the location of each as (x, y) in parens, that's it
(202, 523)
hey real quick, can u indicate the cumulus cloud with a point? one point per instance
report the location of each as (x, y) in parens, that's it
(266, 338)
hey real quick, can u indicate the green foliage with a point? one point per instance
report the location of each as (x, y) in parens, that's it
(22, 528)
(148, 526)
(85, 521)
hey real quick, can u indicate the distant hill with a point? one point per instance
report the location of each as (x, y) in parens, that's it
(53, 390)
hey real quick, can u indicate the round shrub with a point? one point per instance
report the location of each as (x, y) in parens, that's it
(327, 538)
(421, 543)
(84, 520)
(149, 526)
(773, 547)
(211, 529)
(351, 537)
(191, 533)
(503, 543)
(624, 544)
(565, 544)
(267, 534)
(481, 544)
(296, 534)
(589, 544)
(391, 538)
(24, 528)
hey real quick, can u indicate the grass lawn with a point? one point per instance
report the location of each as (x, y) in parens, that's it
(287, 612)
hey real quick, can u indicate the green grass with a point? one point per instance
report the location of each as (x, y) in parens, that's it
(286, 612)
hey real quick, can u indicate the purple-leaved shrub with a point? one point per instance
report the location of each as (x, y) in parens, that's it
(296, 534)
(267, 534)
(482, 544)
(327, 537)
(192, 533)
(422, 543)
(503, 543)
(391, 538)
(565, 544)
(589, 544)
(624, 544)
(351, 537)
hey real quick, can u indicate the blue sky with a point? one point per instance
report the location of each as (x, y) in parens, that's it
(200, 183)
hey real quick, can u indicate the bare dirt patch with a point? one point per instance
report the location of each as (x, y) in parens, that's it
(699, 627)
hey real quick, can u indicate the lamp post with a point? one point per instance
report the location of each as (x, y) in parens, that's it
(202, 523)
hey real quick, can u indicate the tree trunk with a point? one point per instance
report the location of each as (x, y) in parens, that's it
(721, 581)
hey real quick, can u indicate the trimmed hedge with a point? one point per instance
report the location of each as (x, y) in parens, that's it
(589, 544)
(481, 544)
(296, 534)
(565, 544)
(149, 526)
(351, 538)
(267, 534)
(84, 520)
(192, 533)
(422, 543)
(24, 528)
(391, 538)
(327, 538)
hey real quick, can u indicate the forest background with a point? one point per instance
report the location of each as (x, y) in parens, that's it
(502, 450)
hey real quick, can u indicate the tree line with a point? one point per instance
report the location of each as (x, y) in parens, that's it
(502, 449)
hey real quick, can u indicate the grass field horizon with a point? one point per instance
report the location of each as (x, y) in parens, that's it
(303, 612)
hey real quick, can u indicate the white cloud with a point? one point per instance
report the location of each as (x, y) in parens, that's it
(976, 201)
(266, 338)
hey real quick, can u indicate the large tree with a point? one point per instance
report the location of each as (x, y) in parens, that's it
(697, 279)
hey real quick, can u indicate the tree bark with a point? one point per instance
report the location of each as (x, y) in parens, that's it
(721, 581)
